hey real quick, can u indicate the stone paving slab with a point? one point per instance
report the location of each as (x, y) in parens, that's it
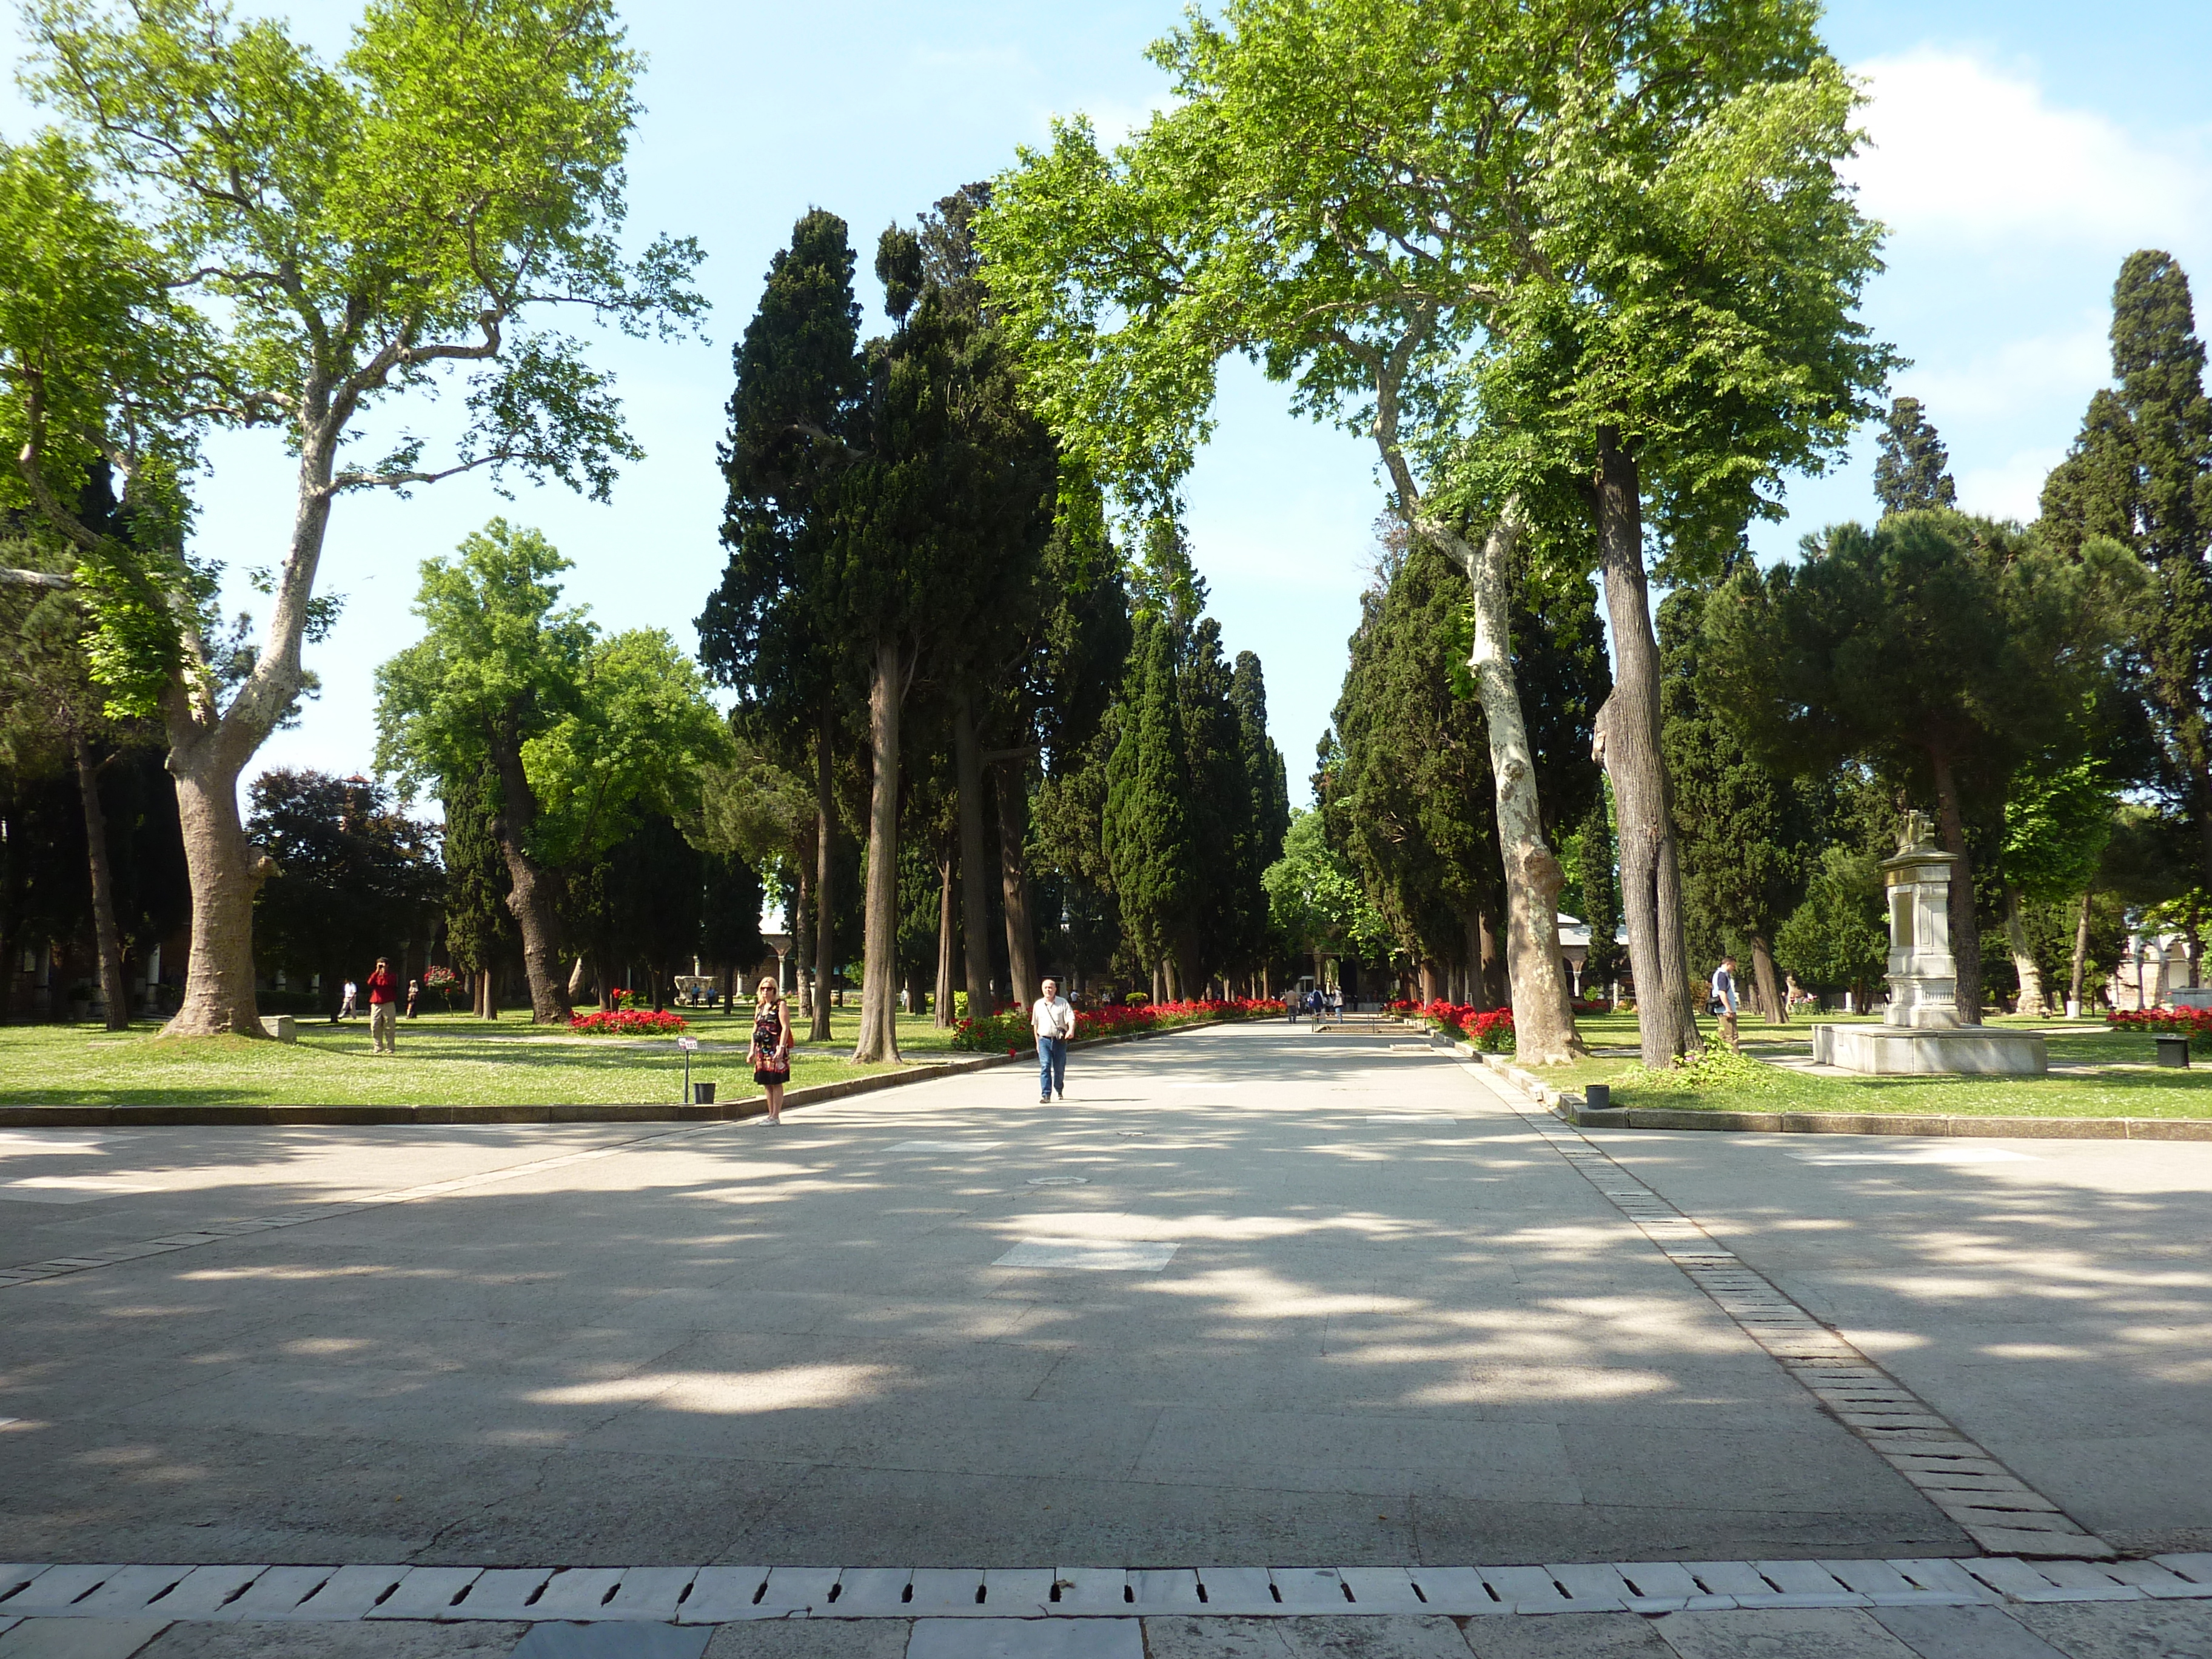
(2077, 1630)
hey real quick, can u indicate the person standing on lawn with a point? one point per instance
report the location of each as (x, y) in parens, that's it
(414, 996)
(345, 1004)
(384, 1008)
(1052, 1019)
(1724, 998)
(771, 1049)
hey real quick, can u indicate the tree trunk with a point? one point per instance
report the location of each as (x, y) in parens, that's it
(224, 872)
(2081, 954)
(945, 929)
(1477, 983)
(1628, 729)
(108, 940)
(1774, 1007)
(974, 901)
(1431, 990)
(532, 888)
(1011, 781)
(1544, 1032)
(2032, 1002)
(878, 1038)
(825, 830)
(1966, 926)
(802, 942)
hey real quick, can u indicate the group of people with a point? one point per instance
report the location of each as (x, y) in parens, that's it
(1315, 1003)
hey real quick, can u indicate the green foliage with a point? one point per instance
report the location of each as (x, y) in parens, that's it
(1744, 833)
(2140, 473)
(1715, 1066)
(480, 931)
(1145, 826)
(1317, 901)
(356, 878)
(1909, 474)
(2057, 824)
(1838, 936)
(607, 728)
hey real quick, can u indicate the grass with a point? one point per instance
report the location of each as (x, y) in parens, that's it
(444, 1060)
(2097, 1072)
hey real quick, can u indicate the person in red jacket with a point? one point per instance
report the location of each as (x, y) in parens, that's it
(384, 1008)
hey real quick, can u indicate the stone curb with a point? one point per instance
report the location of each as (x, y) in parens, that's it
(1570, 1107)
(115, 1117)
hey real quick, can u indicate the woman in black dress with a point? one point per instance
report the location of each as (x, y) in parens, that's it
(771, 1049)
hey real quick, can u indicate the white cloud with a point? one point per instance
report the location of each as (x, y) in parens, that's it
(2060, 368)
(1963, 151)
(2013, 489)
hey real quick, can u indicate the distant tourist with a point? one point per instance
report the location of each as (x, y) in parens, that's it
(383, 1008)
(1052, 1019)
(345, 1006)
(771, 1050)
(414, 996)
(1291, 1000)
(1724, 998)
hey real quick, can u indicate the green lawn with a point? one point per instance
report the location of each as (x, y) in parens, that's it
(444, 1060)
(2097, 1072)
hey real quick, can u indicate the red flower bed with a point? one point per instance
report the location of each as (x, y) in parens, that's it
(1011, 1030)
(640, 1022)
(1488, 1028)
(2193, 1023)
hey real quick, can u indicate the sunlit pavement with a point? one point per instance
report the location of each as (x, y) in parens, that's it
(1316, 1300)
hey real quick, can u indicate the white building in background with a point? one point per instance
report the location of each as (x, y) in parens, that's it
(2152, 967)
(1574, 945)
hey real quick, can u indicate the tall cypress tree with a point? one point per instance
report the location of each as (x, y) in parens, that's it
(1146, 826)
(1263, 762)
(1908, 474)
(1743, 840)
(480, 931)
(2141, 472)
(768, 631)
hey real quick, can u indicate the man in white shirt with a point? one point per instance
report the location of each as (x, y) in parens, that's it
(1724, 998)
(1052, 1019)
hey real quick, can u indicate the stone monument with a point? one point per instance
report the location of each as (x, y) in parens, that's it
(1920, 1031)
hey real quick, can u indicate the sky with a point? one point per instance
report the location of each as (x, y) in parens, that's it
(2020, 150)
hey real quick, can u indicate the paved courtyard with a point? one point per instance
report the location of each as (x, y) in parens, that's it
(1252, 1296)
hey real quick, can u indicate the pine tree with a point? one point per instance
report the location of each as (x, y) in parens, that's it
(2140, 473)
(1909, 474)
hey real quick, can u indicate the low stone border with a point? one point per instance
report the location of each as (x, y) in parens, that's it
(1570, 1107)
(1567, 1104)
(118, 1117)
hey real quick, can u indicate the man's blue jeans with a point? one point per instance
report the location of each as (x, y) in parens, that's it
(1052, 1066)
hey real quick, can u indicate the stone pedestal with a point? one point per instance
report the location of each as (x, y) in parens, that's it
(1897, 1051)
(1920, 1031)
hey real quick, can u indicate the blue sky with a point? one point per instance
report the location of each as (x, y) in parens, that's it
(2022, 150)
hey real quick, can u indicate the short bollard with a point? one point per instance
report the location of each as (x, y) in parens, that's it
(2173, 1051)
(1597, 1096)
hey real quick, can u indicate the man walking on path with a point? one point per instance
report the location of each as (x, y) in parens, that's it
(384, 1008)
(345, 1004)
(1724, 998)
(1052, 1019)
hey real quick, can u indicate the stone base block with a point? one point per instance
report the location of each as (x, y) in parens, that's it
(1886, 1050)
(282, 1027)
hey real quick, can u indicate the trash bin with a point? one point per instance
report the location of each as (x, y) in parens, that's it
(703, 1094)
(2173, 1051)
(1597, 1096)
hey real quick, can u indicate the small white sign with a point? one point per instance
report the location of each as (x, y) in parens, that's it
(688, 1044)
